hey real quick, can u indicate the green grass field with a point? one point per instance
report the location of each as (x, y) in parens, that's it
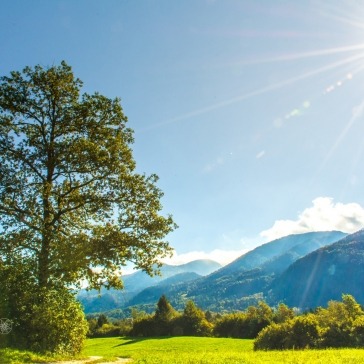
(193, 350)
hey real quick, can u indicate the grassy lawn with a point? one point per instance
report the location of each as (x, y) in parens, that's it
(193, 350)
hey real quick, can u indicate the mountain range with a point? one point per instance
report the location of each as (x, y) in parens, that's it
(94, 301)
(301, 270)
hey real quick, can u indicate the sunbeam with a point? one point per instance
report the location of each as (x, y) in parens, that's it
(310, 279)
(258, 92)
(357, 113)
(304, 55)
(351, 17)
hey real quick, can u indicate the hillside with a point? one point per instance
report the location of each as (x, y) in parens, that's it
(138, 281)
(324, 275)
(244, 280)
(290, 247)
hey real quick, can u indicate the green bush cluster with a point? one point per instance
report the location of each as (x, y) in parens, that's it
(166, 321)
(341, 324)
(101, 327)
(43, 319)
(192, 321)
(249, 323)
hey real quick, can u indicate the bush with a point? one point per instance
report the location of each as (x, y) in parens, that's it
(57, 324)
(358, 331)
(230, 325)
(272, 337)
(43, 320)
(144, 327)
(245, 324)
(298, 333)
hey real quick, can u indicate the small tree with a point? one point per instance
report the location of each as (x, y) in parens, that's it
(102, 319)
(164, 311)
(194, 321)
(163, 317)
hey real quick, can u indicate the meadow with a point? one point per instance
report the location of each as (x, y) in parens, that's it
(191, 350)
(202, 350)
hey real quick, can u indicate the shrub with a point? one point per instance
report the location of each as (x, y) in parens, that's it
(298, 333)
(272, 337)
(245, 324)
(57, 323)
(44, 320)
(143, 327)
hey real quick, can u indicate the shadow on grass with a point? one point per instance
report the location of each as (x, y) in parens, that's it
(134, 340)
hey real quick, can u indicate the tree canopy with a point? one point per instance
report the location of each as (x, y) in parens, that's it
(72, 205)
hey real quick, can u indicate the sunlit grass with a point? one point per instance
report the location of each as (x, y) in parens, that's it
(13, 356)
(191, 350)
(188, 350)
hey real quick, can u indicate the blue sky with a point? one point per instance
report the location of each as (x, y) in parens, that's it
(250, 112)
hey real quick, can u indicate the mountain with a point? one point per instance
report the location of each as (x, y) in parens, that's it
(280, 252)
(138, 281)
(243, 281)
(324, 275)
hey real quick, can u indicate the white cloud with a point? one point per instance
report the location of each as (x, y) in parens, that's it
(324, 215)
(260, 154)
(221, 256)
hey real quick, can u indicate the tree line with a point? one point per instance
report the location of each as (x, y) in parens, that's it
(340, 324)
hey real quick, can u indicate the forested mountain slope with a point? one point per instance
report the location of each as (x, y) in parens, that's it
(243, 281)
(138, 281)
(324, 275)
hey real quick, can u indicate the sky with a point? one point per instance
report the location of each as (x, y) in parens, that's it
(250, 112)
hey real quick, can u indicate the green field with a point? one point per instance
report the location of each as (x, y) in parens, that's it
(193, 350)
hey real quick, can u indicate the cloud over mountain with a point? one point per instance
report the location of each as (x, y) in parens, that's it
(323, 215)
(218, 255)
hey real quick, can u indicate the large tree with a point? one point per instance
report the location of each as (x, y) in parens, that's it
(72, 205)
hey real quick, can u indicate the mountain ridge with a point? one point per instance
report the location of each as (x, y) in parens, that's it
(235, 285)
(94, 301)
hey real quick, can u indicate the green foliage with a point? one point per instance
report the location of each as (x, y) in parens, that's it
(245, 324)
(230, 325)
(283, 313)
(70, 198)
(166, 321)
(164, 312)
(298, 333)
(193, 321)
(144, 327)
(163, 317)
(102, 327)
(14, 356)
(70, 201)
(44, 320)
(339, 325)
(57, 323)
(102, 320)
